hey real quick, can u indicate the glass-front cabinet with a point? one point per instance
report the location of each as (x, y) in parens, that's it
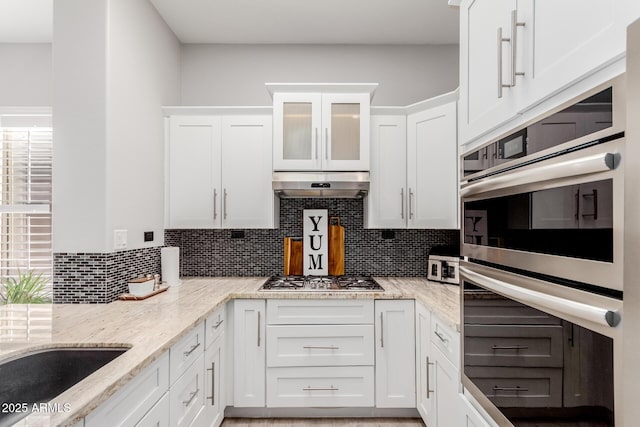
(321, 131)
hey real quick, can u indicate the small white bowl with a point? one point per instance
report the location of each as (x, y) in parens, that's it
(141, 288)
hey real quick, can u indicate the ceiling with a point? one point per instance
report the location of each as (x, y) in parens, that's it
(268, 21)
(312, 21)
(26, 21)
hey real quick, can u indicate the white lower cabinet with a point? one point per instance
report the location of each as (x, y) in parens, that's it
(395, 354)
(158, 416)
(437, 365)
(131, 404)
(469, 415)
(249, 353)
(424, 402)
(187, 394)
(320, 386)
(320, 353)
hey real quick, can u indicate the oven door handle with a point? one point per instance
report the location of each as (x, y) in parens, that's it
(599, 315)
(601, 162)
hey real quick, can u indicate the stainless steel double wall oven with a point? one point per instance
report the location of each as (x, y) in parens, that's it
(542, 279)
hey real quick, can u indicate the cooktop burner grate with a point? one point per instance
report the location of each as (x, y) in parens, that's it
(321, 283)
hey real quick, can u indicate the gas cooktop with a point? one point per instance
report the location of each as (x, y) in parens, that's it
(321, 283)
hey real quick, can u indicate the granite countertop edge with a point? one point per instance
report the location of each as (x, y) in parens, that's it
(170, 316)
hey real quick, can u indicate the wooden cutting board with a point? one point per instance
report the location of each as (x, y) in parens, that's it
(293, 256)
(336, 247)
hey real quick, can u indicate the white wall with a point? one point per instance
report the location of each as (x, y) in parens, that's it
(79, 127)
(109, 85)
(236, 74)
(25, 74)
(144, 74)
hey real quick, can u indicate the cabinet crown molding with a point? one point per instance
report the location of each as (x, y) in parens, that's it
(369, 88)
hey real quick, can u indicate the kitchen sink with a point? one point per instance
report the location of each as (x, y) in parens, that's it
(40, 376)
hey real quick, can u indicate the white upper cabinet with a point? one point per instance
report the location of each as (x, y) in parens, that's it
(515, 54)
(483, 99)
(414, 173)
(193, 183)
(247, 196)
(321, 131)
(432, 173)
(219, 172)
(387, 198)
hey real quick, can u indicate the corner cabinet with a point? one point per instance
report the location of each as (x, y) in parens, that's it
(219, 172)
(516, 54)
(321, 131)
(414, 172)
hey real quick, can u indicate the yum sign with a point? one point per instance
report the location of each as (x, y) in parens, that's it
(316, 242)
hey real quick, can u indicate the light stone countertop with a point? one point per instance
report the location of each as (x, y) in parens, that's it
(150, 327)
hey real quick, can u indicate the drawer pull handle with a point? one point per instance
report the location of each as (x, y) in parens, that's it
(330, 388)
(191, 397)
(191, 350)
(442, 338)
(509, 347)
(258, 329)
(322, 347)
(213, 383)
(517, 388)
(217, 325)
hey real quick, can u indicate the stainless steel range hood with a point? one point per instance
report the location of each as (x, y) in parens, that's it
(321, 184)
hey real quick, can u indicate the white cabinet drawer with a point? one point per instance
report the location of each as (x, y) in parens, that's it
(187, 394)
(319, 312)
(158, 416)
(185, 351)
(320, 386)
(214, 325)
(133, 401)
(446, 339)
(319, 345)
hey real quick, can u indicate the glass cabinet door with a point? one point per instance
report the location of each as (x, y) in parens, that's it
(297, 131)
(314, 131)
(346, 131)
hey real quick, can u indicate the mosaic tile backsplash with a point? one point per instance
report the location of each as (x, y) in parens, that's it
(207, 252)
(100, 277)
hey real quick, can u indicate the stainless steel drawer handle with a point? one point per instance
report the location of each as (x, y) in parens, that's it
(509, 347)
(217, 325)
(402, 203)
(442, 337)
(191, 397)
(330, 388)
(191, 350)
(213, 383)
(325, 347)
(517, 388)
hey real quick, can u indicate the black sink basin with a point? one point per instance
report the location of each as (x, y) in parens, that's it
(40, 376)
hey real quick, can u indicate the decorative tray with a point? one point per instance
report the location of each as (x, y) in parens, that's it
(131, 297)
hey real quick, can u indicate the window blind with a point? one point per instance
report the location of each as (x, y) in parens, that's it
(25, 201)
